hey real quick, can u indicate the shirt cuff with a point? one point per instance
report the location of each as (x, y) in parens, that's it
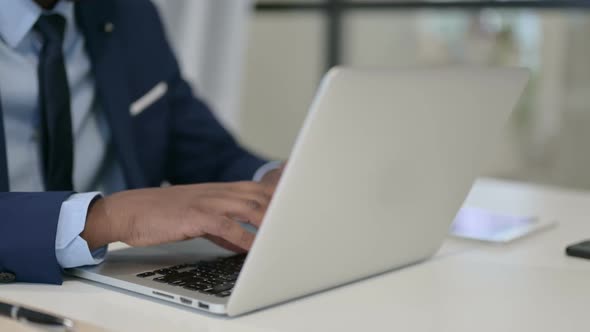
(70, 249)
(261, 172)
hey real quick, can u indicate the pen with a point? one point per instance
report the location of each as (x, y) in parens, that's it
(28, 315)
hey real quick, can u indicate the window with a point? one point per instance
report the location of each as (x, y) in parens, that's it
(292, 43)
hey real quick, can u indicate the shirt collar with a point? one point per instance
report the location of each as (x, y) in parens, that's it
(18, 17)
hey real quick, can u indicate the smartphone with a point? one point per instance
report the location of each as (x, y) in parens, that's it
(489, 226)
(581, 249)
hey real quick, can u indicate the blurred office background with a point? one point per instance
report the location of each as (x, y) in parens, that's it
(258, 63)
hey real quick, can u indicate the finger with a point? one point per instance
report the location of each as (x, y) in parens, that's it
(229, 231)
(272, 177)
(225, 244)
(252, 187)
(262, 200)
(246, 190)
(248, 210)
(239, 186)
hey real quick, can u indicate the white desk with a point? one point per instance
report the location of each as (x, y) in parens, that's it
(529, 285)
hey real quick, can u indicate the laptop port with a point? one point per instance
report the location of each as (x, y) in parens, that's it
(203, 305)
(163, 294)
(186, 301)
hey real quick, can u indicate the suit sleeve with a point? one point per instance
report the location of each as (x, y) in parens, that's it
(200, 148)
(28, 227)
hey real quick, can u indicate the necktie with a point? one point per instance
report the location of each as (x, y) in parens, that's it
(56, 123)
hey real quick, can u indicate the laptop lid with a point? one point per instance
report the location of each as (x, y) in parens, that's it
(381, 166)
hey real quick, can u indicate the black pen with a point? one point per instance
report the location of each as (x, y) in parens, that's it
(28, 315)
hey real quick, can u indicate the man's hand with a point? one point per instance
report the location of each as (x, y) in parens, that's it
(154, 216)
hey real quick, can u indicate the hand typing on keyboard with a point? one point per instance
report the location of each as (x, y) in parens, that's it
(160, 215)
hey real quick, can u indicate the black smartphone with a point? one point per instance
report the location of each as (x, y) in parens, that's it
(581, 249)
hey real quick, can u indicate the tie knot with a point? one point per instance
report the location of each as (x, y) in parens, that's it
(51, 27)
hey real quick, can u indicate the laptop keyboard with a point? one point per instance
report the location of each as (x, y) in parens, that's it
(216, 277)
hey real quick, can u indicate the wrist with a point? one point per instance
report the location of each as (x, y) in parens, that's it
(98, 230)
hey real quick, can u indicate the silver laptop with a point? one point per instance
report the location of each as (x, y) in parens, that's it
(381, 166)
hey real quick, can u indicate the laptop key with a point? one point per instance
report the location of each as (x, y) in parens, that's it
(198, 280)
(178, 267)
(146, 274)
(223, 294)
(222, 288)
(179, 276)
(164, 271)
(199, 285)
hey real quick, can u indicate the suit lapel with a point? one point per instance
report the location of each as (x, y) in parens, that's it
(3, 165)
(98, 22)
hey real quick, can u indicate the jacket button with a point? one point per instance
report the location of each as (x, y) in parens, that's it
(6, 277)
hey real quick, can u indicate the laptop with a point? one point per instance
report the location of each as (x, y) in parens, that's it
(382, 164)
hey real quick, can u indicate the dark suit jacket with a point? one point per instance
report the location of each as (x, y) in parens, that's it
(176, 139)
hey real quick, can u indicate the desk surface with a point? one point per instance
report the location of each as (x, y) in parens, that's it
(528, 285)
